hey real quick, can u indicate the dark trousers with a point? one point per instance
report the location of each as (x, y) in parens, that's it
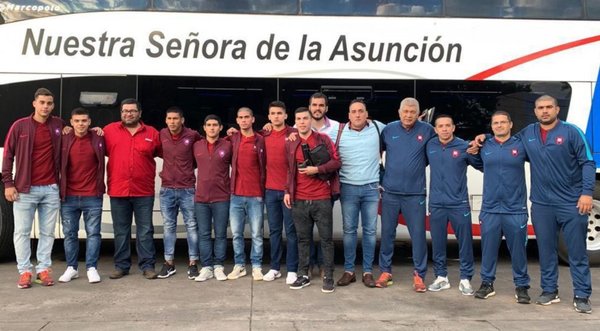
(305, 214)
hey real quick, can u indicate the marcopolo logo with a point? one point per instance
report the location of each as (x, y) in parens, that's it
(9, 6)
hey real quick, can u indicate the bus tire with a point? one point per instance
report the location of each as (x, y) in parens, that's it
(6, 227)
(593, 235)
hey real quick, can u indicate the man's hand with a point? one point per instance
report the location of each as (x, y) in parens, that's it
(585, 204)
(293, 136)
(11, 194)
(287, 200)
(98, 131)
(473, 148)
(268, 127)
(66, 130)
(311, 170)
(232, 131)
(479, 140)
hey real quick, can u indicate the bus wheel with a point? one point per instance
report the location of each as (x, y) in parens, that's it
(6, 227)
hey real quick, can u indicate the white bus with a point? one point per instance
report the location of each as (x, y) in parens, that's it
(461, 57)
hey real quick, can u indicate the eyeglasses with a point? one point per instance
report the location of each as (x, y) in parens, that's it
(130, 111)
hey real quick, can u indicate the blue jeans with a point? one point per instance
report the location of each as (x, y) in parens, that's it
(212, 215)
(47, 202)
(279, 216)
(122, 211)
(240, 208)
(171, 201)
(363, 200)
(71, 210)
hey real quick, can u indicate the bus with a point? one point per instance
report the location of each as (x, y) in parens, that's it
(459, 57)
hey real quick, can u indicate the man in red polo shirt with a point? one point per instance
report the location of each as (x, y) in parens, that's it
(131, 147)
(33, 142)
(247, 191)
(81, 190)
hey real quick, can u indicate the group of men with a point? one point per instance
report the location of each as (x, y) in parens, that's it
(278, 167)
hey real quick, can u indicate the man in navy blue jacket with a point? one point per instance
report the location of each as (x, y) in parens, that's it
(562, 184)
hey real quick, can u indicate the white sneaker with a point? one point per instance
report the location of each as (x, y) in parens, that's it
(257, 274)
(291, 278)
(237, 272)
(92, 275)
(206, 273)
(440, 283)
(465, 287)
(70, 273)
(271, 275)
(220, 273)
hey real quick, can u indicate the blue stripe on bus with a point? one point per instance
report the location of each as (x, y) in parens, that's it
(594, 123)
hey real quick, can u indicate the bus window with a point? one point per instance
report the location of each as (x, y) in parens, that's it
(409, 8)
(593, 9)
(230, 6)
(559, 9)
(338, 7)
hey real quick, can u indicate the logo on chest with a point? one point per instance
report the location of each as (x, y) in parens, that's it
(515, 152)
(186, 142)
(455, 153)
(559, 140)
(420, 138)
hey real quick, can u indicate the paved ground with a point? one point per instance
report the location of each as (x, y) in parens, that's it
(134, 303)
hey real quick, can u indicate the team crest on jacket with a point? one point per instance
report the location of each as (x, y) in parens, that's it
(186, 142)
(420, 138)
(57, 132)
(559, 140)
(455, 153)
(515, 152)
(222, 153)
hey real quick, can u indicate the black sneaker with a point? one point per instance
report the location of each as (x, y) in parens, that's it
(485, 291)
(192, 271)
(167, 271)
(301, 282)
(582, 305)
(327, 285)
(521, 295)
(548, 298)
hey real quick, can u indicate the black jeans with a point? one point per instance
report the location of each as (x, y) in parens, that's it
(305, 214)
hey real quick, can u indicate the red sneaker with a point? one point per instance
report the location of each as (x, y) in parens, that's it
(418, 284)
(25, 280)
(385, 280)
(44, 278)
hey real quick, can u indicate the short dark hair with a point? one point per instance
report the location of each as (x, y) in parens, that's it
(501, 112)
(301, 110)
(212, 117)
(80, 111)
(42, 91)
(245, 109)
(278, 104)
(358, 100)
(443, 116)
(175, 109)
(319, 95)
(130, 101)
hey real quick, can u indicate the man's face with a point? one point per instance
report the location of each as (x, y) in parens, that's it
(444, 127)
(277, 116)
(80, 124)
(501, 126)
(357, 115)
(212, 129)
(43, 105)
(244, 120)
(303, 122)
(130, 114)
(174, 122)
(318, 108)
(408, 115)
(546, 111)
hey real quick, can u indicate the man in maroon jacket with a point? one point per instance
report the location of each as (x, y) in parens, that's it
(309, 194)
(34, 142)
(177, 190)
(81, 190)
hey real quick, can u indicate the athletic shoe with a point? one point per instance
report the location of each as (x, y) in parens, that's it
(440, 283)
(548, 298)
(465, 287)
(70, 273)
(385, 280)
(25, 280)
(44, 278)
(327, 285)
(93, 276)
(167, 271)
(237, 272)
(485, 291)
(301, 282)
(291, 278)
(418, 284)
(192, 271)
(582, 305)
(521, 295)
(257, 274)
(206, 273)
(219, 273)
(271, 275)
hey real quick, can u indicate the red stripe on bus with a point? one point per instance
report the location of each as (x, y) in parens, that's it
(533, 56)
